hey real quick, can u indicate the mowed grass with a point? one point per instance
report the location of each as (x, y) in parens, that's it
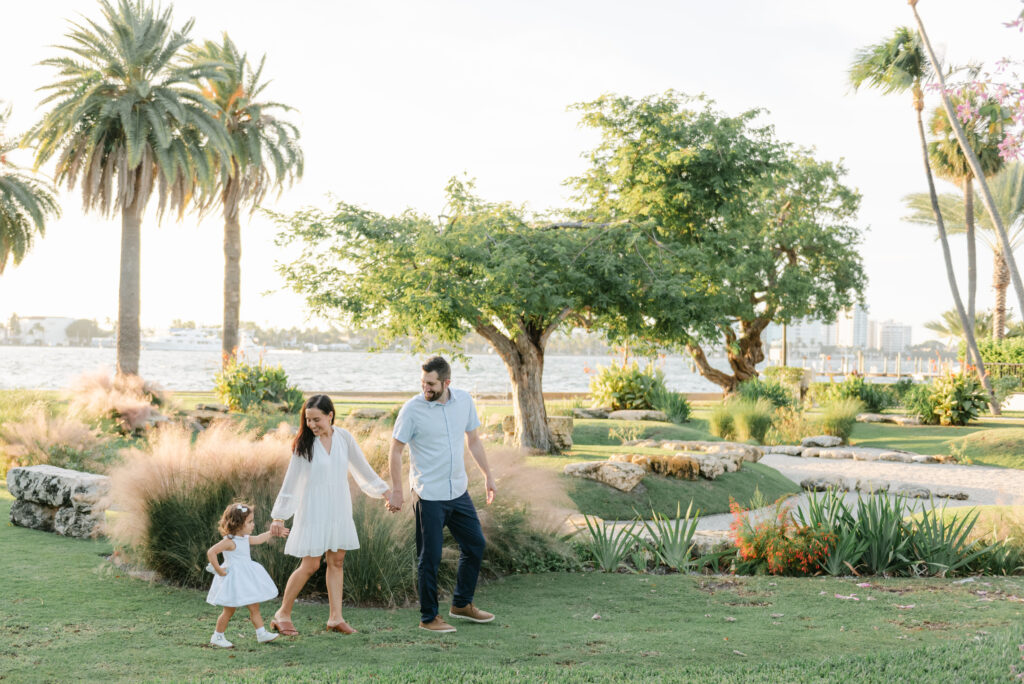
(67, 614)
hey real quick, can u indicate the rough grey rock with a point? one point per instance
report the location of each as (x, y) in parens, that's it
(33, 515)
(912, 492)
(896, 456)
(638, 415)
(784, 449)
(906, 420)
(747, 452)
(599, 413)
(810, 452)
(946, 494)
(622, 476)
(711, 466)
(367, 413)
(872, 418)
(835, 454)
(923, 458)
(868, 486)
(205, 418)
(53, 486)
(72, 522)
(821, 483)
(821, 441)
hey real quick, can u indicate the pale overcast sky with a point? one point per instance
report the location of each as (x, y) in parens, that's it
(396, 97)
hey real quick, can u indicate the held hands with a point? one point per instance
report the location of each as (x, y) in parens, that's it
(491, 489)
(393, 500)
(277, 529)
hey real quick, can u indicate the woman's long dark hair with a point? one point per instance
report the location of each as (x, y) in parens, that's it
(303, 444)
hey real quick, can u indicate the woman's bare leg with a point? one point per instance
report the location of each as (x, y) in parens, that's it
(307, 566)
(335, 584)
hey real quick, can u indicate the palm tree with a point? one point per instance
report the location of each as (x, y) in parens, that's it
(127, 110)
(1007, 188)
(25, 204)
(949, 162)
(264, 153)
(896, 65)
(974, 162)
(951, 332)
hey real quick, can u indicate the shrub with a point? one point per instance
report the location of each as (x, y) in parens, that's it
(243, 386)
(772, 390)
(127, 400)
(779, 545)
(840, 417)
(627, 386)
(954, 399)
(1004, 386)
(721, 423)
(899, 389)
(42, 438)
(674, 404)
(875, 397)
(751, 418)
(789, 426)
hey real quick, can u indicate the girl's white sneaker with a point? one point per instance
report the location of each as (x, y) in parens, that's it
(266, 636)
(221, 641)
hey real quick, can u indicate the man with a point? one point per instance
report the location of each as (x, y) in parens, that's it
(436, 425)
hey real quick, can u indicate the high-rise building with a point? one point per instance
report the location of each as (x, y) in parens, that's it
(852, 328)
(894, 337)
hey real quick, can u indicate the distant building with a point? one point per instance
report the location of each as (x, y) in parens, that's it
(893, 337)
(852, 328)
(45, 331)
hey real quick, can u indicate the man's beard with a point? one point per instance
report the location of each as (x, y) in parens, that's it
(431, 395)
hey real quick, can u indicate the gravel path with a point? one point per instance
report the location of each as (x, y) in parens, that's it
(983, 484)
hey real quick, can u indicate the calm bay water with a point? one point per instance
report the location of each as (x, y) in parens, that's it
(56, 368)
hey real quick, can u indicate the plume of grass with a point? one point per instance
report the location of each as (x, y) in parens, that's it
(41, 437)
(127, 400)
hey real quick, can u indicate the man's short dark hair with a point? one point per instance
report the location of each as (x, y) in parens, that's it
(437, 364)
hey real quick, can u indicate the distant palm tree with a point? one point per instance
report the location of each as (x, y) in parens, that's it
(950, 330)
(973, 161)
(264, 154)
(949, 162)
(127, 111)
(896, 65)
(25, 204)
(1007, 188)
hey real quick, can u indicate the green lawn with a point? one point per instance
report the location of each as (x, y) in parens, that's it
(67, 614)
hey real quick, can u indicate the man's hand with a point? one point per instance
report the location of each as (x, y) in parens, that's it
(491, 489)
(277, 529)
(395, 502)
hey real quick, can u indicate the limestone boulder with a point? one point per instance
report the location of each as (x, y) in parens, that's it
(74, 522)
(784, 449)
(710, 465)
(621, 476)
(748, 452)
(35, 516)
(825, 441)
(896, 457)
(923, 458)
(205, 418)
(219, 408)
(810, 452)
(913, 492)
(822, 483)
(638, 415)
(367, 413)
(893, 418)
(591, 413)
(869, 486)
(54, 486)
(835, 454)
(946, 494)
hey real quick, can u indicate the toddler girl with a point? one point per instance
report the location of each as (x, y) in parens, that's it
(240, 581)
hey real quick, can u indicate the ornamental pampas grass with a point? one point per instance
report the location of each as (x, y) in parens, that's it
(127, 399)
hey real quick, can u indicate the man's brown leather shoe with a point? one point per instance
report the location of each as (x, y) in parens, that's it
(437, 625)
(471, 613)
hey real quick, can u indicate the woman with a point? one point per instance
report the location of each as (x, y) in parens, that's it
(315, 490)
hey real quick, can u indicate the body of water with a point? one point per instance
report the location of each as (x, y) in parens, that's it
(352, 371)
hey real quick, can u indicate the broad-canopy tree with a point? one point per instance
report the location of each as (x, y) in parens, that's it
(486, 267)
(126, 111)
(25, 203)
(264, 155)
(751, 230)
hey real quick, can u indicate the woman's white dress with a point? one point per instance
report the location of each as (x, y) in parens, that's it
(247, 581)
(317, 493)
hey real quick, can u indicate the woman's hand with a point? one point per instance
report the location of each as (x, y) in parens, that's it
(277, 529)
(395, 501)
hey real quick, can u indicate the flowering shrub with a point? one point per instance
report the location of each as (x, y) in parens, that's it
(779, 545)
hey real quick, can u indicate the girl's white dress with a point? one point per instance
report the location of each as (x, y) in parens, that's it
(247, 582)
(317, 493)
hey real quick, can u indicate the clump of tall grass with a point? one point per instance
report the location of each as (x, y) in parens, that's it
(40, 437)
(752, 418)
(127, 400)
(721, 422)
(840, 417)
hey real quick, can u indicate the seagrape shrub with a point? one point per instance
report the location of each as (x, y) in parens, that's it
(772, 390)
(875, 397)
(954, 399)
(244, 386)
(627, 386)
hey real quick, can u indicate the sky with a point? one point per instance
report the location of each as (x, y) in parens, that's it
(393, 98)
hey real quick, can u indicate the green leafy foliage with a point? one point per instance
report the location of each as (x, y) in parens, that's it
(671, 541)
(721, 422)
(954, 399)
(675, 405)
(244, 386)
(772, 390)
(874, 396)
(627, 386)
(608, 545)
(840, 417)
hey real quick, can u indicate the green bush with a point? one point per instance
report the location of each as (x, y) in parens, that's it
(772, 390)
(721, 423)
(627, 386)
(1008, 350)
(674, 404)
(875, 397)
(244, 386)
(1005, 386)
(840, 416)
(752, 419)
(954, 399)
(899, 389)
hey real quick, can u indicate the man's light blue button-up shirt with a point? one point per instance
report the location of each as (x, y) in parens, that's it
(436, 435)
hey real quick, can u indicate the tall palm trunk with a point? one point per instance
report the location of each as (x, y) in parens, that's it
(129, 298)
(232, 270)
(972, 344)
(1000, 281)
(972, 253)
(972, 160)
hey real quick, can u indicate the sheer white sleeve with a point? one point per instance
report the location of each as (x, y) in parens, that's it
(362, 473)
(292, 488)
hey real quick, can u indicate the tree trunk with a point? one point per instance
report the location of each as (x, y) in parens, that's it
(972, 345)
(727, 382)
(743, 362)
(129, 334)
(1000, 281)
(972, 160)
(972, 255)
(232, 273)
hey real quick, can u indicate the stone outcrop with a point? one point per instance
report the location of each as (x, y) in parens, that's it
(865, 486)
(560, 426)
(821, 441)
(888, 418)
(48, 498)
(638, 415)
(622, 476)
(784, 449)
(680, 466)
(591, 413)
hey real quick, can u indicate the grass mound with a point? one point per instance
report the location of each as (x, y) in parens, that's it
(998, 447)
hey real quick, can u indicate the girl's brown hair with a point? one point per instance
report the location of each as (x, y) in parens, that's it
(234, 518)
